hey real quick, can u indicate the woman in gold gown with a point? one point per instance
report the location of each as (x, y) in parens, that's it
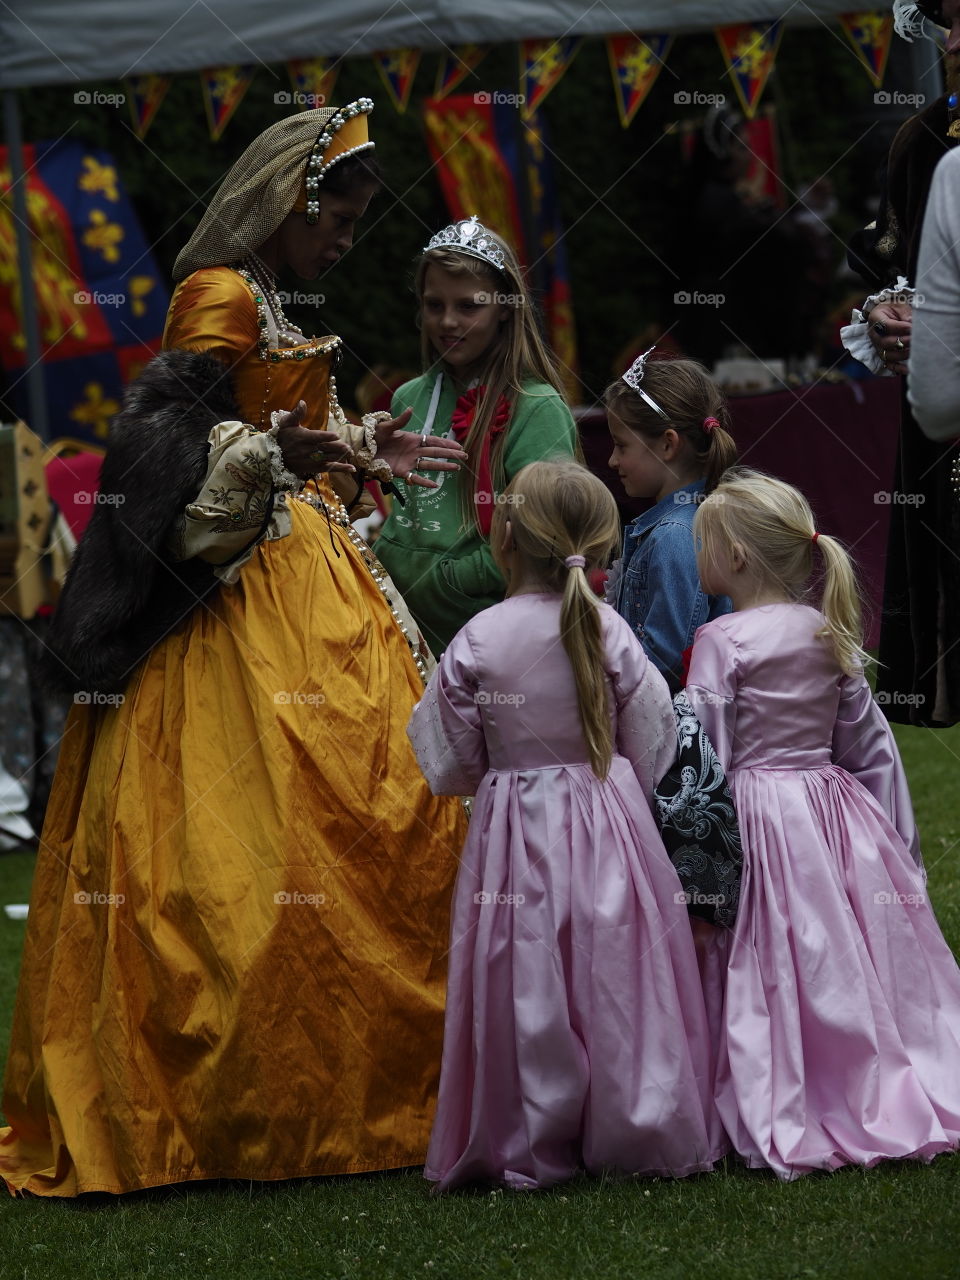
(235, 954)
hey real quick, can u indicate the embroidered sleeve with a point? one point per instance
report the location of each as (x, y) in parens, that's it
(241, 503)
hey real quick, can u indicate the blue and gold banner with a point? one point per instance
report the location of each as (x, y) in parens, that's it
(635, 63)
(101, 301)
(397, 69)
(146, 95)
(312, 81)
(223, 90)
(870, 33)
(456, 65)
(542, 65)
(749, 50)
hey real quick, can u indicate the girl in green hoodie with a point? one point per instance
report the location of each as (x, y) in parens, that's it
(491, 384)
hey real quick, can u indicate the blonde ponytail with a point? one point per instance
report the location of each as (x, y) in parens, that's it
(840, 606)
(559, 513)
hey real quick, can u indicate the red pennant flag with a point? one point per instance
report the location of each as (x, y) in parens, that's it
(542, 64)
(397, 69)
(634, 64)
(456, 66)
(312, 81)
(223, 90)
(146, 94)
(870, 33)
(749, 50)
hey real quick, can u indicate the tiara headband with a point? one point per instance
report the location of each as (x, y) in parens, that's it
(469, 236)
(344, 134)
(633, 378)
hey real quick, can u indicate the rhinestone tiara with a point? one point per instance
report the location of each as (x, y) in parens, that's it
(634, 376)
(344, 134)
(469, 236)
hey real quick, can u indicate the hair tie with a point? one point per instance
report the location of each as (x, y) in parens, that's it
(575, 562)
(814, 538)
(710, 424)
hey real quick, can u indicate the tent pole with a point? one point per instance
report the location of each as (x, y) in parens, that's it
(36, 391)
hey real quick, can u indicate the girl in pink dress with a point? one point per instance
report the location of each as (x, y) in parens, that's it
(575, 1031)
(840, 1025)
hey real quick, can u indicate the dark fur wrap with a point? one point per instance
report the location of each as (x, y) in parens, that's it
(123, 594)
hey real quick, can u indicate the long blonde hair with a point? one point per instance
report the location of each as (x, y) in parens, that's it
(689, 397)
(772, 526)
(517, 354)
(560, 509)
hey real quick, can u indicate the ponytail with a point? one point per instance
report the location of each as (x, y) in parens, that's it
(582, 638)
(840, 606)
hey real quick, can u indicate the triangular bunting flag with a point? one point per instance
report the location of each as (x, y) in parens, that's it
(749, 49)
(223, 90)
(146, 94)
(397, 68)
(456, 66)
(870, 34)
(542, 63)
(312, 81)
(635, 63)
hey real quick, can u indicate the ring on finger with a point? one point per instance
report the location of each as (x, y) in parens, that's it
(317, 456)
(883, 355)
(423, 440)
(900, 343)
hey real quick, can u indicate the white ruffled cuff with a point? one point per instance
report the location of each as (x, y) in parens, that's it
(855, 336)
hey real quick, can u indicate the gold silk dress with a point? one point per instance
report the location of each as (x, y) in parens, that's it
(235, 955)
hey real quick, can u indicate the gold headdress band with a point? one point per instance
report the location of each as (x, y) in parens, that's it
(344, 134)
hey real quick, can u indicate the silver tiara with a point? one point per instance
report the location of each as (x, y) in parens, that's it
(633, 378)
(469, 236)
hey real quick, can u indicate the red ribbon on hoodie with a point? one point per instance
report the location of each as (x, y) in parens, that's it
(461, 421)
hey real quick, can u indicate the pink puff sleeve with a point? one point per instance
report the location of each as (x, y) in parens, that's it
(863, 745)
(712, 683)
(646, 732)
(446, 728)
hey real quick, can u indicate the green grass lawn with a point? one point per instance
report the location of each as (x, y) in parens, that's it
(898, 1220)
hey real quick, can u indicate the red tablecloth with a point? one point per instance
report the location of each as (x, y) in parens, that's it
(837, 443)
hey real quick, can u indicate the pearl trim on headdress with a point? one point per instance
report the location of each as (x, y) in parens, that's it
(469, 236)
(317, 169)
(633, 377)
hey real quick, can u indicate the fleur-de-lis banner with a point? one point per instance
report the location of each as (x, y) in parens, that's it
(397, 69)
(542, 64)
(635, 63)
(870, 33)
(101, 301)
(146, 93)
(456, 65)
(223, 90)
(312, 81)
(749, 50)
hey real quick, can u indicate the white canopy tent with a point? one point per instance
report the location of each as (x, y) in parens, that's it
(48, 43)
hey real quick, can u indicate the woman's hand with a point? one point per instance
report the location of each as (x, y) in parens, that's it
(306, 452)
(890, 325)
(408, 454)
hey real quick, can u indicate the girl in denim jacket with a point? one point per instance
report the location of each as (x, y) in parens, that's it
(669, 425)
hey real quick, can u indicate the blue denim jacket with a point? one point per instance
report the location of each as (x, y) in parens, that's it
(655, 586)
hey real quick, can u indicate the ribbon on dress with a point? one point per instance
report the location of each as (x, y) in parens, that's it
(460, 423)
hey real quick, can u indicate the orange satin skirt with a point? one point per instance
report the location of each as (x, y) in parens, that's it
(235, 955)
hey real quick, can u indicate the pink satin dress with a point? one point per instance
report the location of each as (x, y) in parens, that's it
(575, 1033)
(839, 1027)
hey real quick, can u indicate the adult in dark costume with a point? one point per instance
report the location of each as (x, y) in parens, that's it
(919, 677)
